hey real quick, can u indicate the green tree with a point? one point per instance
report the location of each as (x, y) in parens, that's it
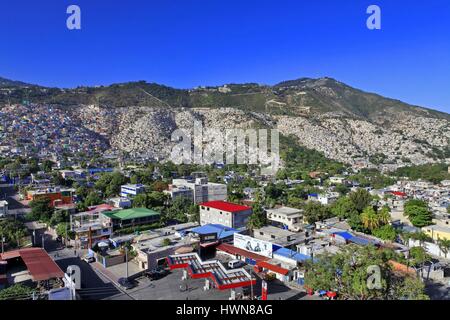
(361, 199)
(16, 292)
(410, 289)
(444, 245)
(47, 165)
(418, 256)
(159, 186)
(140, 201)
(258, 218)
(63, 230)
(343, 208)
(385, 232)
(384, 215)
(419, 216)
(92, 199)
(370, 219)
(422, 237)
(315, 211)
(41, 210)
(156, 199)
(347, 273)
(179, 209)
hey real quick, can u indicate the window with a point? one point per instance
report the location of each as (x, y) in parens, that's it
(261, 233)
(272, 236)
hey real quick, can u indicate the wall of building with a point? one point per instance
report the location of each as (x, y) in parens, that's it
(234, 220)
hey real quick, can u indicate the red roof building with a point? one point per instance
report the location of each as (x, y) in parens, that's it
(224, 213)
(399, 194)
(39, 264)
(225, 206)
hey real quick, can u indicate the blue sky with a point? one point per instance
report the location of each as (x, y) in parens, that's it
(186, 43)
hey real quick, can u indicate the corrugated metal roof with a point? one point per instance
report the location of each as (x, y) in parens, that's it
(225, 206)
(220, 230)
(287, 253)
(134, 213)
(273, 267)
(38, 262)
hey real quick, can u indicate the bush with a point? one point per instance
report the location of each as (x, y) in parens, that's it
(16, 292)
(386, 232)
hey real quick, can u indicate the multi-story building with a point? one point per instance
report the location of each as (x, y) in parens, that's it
(120, 202)
(437, 232)
(180, 192)
(56, 195)
(285, 217)
(202, 190)
(129, 217)
(131, 190)
(225, 213)
(88, 226)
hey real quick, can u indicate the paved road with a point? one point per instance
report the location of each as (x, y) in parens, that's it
(94, 286)
(8, 193)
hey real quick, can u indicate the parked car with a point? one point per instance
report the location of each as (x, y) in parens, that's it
(125, 283)
(233, 264)
(156, 273)
(88, 259)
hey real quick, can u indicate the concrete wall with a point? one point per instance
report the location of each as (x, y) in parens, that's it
(228, 219)
(153, 257)
(431, 248)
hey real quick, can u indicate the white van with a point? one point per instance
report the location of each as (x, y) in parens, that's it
(233, 264)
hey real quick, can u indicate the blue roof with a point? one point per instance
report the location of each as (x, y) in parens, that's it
(358, 240)
(288, 253)
(221, 230)
(345, 235)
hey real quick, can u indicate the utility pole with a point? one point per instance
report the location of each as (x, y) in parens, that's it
(126, 262)
(251, 282)
(3, 241)
(34, 237)
(43, 242)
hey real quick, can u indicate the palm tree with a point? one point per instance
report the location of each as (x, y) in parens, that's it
(384, 216)
(444, 245)
(420, 236)
(370, 219)
(405, 236)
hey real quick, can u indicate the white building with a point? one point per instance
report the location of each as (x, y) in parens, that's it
(180, 192)
(131, 190)
(202, 190)
(290, 218)
(120, 202)
(328, 198)
(336, 180)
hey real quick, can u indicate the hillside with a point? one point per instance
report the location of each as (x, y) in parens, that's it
(344, 123)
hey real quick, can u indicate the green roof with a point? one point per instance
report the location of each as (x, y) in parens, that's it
(128, 214)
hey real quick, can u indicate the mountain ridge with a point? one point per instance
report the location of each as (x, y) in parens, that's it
(345, 124)
(320, 95)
